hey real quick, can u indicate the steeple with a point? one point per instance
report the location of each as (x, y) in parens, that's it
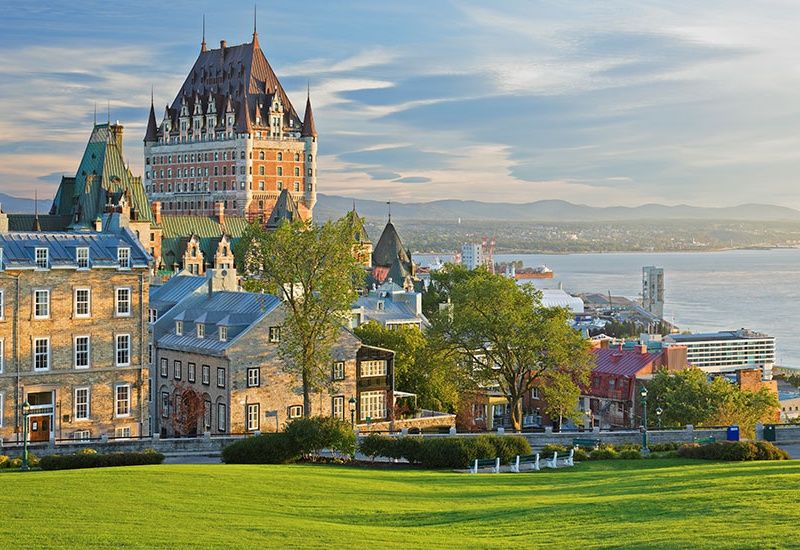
(203, 43)
(152, 128)
(309, 128)
(255, 29)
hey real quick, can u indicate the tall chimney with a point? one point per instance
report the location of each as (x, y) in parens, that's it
(116, 131)
(223, 44)
(155, 207)
(221, 212)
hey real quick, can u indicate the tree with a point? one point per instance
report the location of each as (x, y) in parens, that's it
(188, 410)
(419, 367)
(505, 334)
(313, 270)
(743, 408)
(685, 397)
(560, 391)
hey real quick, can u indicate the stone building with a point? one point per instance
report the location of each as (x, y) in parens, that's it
(231, 136)
(73, 332)
(216, 368)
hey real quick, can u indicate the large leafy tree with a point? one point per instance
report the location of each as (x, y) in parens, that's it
(312, 268)
(419, 367)
(505, 335)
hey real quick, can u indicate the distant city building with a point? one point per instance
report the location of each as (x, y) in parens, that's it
(653, 290)
(557, 297)
(728, 351)
(231, 137)
(472, 256)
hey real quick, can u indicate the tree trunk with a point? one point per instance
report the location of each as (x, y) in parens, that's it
(306, 396)
(516, 412)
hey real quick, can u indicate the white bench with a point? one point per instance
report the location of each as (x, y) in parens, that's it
(533, 460)
(552, 462)
(486, 463)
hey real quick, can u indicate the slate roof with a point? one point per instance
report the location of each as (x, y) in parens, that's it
(390, 247)
(309, 128)
(19, 249)
(625, 363)
(164, 297)
(285, 209)
(24, 222)
(742, 334)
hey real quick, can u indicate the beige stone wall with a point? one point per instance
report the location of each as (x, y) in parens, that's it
(18, 328)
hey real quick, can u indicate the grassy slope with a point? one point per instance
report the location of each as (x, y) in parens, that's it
(650, 503)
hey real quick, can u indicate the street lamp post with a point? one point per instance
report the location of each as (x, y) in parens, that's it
(353, 411)
(659, 412)
(26, 409)
(643, 393)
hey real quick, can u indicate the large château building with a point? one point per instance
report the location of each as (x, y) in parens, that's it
(231, 136)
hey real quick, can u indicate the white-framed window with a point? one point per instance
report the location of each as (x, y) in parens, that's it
(295, 411)
(164, 367)
(122, 432)
(201, 330)
(191, 372)
(375, 367)
(122, 400)
(82, 352)
(82, 435)
(338, 370)
(206, 375)
(253, 377)
(123, 350)
(373, 404)
(41, 353)
(124, 257)
(2, 303)
(177, 369)
(222, 417)
(81, 403)
(2, 355)
(83, 302)
(338, 407)
(223, 334)
(152, 316)
(534, 393)
(274, 334)
(123, 302)
(179, 328)
(220, 377)
(42, 258)
(253, 417)
(82, 257)
(164, 404)
(41, 304)
(2, 407)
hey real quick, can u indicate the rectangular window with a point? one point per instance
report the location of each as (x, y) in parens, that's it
(179, 328)
(2, 355)
(295, 411)
(123, 350)
(201, 330)
(2, 303)
(206, 375)
(82, 435)
(164, 404)
(81, 403)
(220, 377)
(2, 408)
(124, 257)
(82, 305)
(42, 258)
(373, 368)
(41, 304)
(152, 316)
(373, 405)
(122, 400)
(207, 414)
(177, 369)
(191, 372)
(338, 407)
(123, 302)
(223, 334)
(82, 257)
(122, 432)
(41, 353)
(338, 370)
(253, 377)
(222, 417)
(164, 367)
(274, 334)
(253, 417)
(81, 352)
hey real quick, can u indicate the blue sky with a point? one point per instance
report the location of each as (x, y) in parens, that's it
(616, 102)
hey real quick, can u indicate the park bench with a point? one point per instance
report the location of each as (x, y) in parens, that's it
(553, 462)
(533, 460)
(703, 440)
(585, 442)
(570, 461)
(482, 463)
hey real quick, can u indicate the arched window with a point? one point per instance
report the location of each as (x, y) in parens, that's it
(280, 171)
(280, 156)
(261, 155)
(261, 170)
(297, 157)
(296, 172)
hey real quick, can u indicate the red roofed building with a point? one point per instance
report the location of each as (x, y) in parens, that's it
(610, 400)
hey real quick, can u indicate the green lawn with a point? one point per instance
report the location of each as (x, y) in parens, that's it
(641, 504)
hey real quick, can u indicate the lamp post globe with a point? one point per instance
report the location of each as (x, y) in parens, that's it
(643, 393)
(352, 403)
(26, 409)
(659, 412)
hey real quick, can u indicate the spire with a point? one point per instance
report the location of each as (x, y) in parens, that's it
(255, 27)
(203, 43)
(309, 128)
(151, 135)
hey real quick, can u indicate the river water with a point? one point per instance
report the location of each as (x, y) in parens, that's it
(704, 291)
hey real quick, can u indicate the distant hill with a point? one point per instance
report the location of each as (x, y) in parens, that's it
(17, 205)
(331, 206)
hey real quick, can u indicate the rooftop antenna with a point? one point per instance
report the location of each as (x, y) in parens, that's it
(390, 210)
(255, 15)
(203, 43)
(95, 113)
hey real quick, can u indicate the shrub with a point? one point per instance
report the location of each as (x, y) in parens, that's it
(626, 447)
(5, 462)
(661, 447)
(629, 454)
(271, 448)
(507, 447)
(409, 448)
(603, 454)
(549, 449)
(733, 451)
(768, 451)
(82, 459)
(580, 455)
(15, 463)
(374, 445)
(311, 435)
(86, 452)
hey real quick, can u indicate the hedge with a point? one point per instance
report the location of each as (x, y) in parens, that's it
(733, 451)
(84, 459)
(446, 452)
(272, 448)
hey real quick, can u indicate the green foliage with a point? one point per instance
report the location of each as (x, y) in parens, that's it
(87, 451)
(419, 366)
(271, 448)
(83, 459)
(580, 455)
(505, 336)
(733, 451)
(629, 454)
(5, 461)
(550, 448)
(312, 268)
(603, 454)
(446, 452)
(311, 435)
(661, 447)
(742, 408)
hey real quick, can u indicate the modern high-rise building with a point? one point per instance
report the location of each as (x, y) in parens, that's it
(472, 256)
(728, 351)
(653, 290)
(231, 137)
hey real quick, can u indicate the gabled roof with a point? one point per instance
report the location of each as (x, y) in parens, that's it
(622, 362)
(285, 209)
(176, 231)
(389, 248)
(356, 224)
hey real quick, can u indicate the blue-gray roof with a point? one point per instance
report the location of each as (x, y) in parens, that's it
(394, 310)
(19, 248)
(741, 334)
(165, 296)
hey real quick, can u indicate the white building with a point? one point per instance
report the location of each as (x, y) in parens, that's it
(391, 306)
(556, 297)
(472, 255)
(728, 351)
(653, 290)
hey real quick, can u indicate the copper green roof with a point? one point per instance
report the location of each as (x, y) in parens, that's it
(176, 231)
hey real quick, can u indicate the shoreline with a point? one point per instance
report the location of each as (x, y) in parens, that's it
(587, 252)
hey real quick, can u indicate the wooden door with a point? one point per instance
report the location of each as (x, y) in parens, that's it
(39, 428)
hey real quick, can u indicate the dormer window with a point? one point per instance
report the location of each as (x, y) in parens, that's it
(124, 257)
(201, 330)
(42, 258)
(223, 334)
(82, 257)
(381, 305)
(179, 328)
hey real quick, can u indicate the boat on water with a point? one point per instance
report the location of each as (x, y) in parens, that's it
(538, 272)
